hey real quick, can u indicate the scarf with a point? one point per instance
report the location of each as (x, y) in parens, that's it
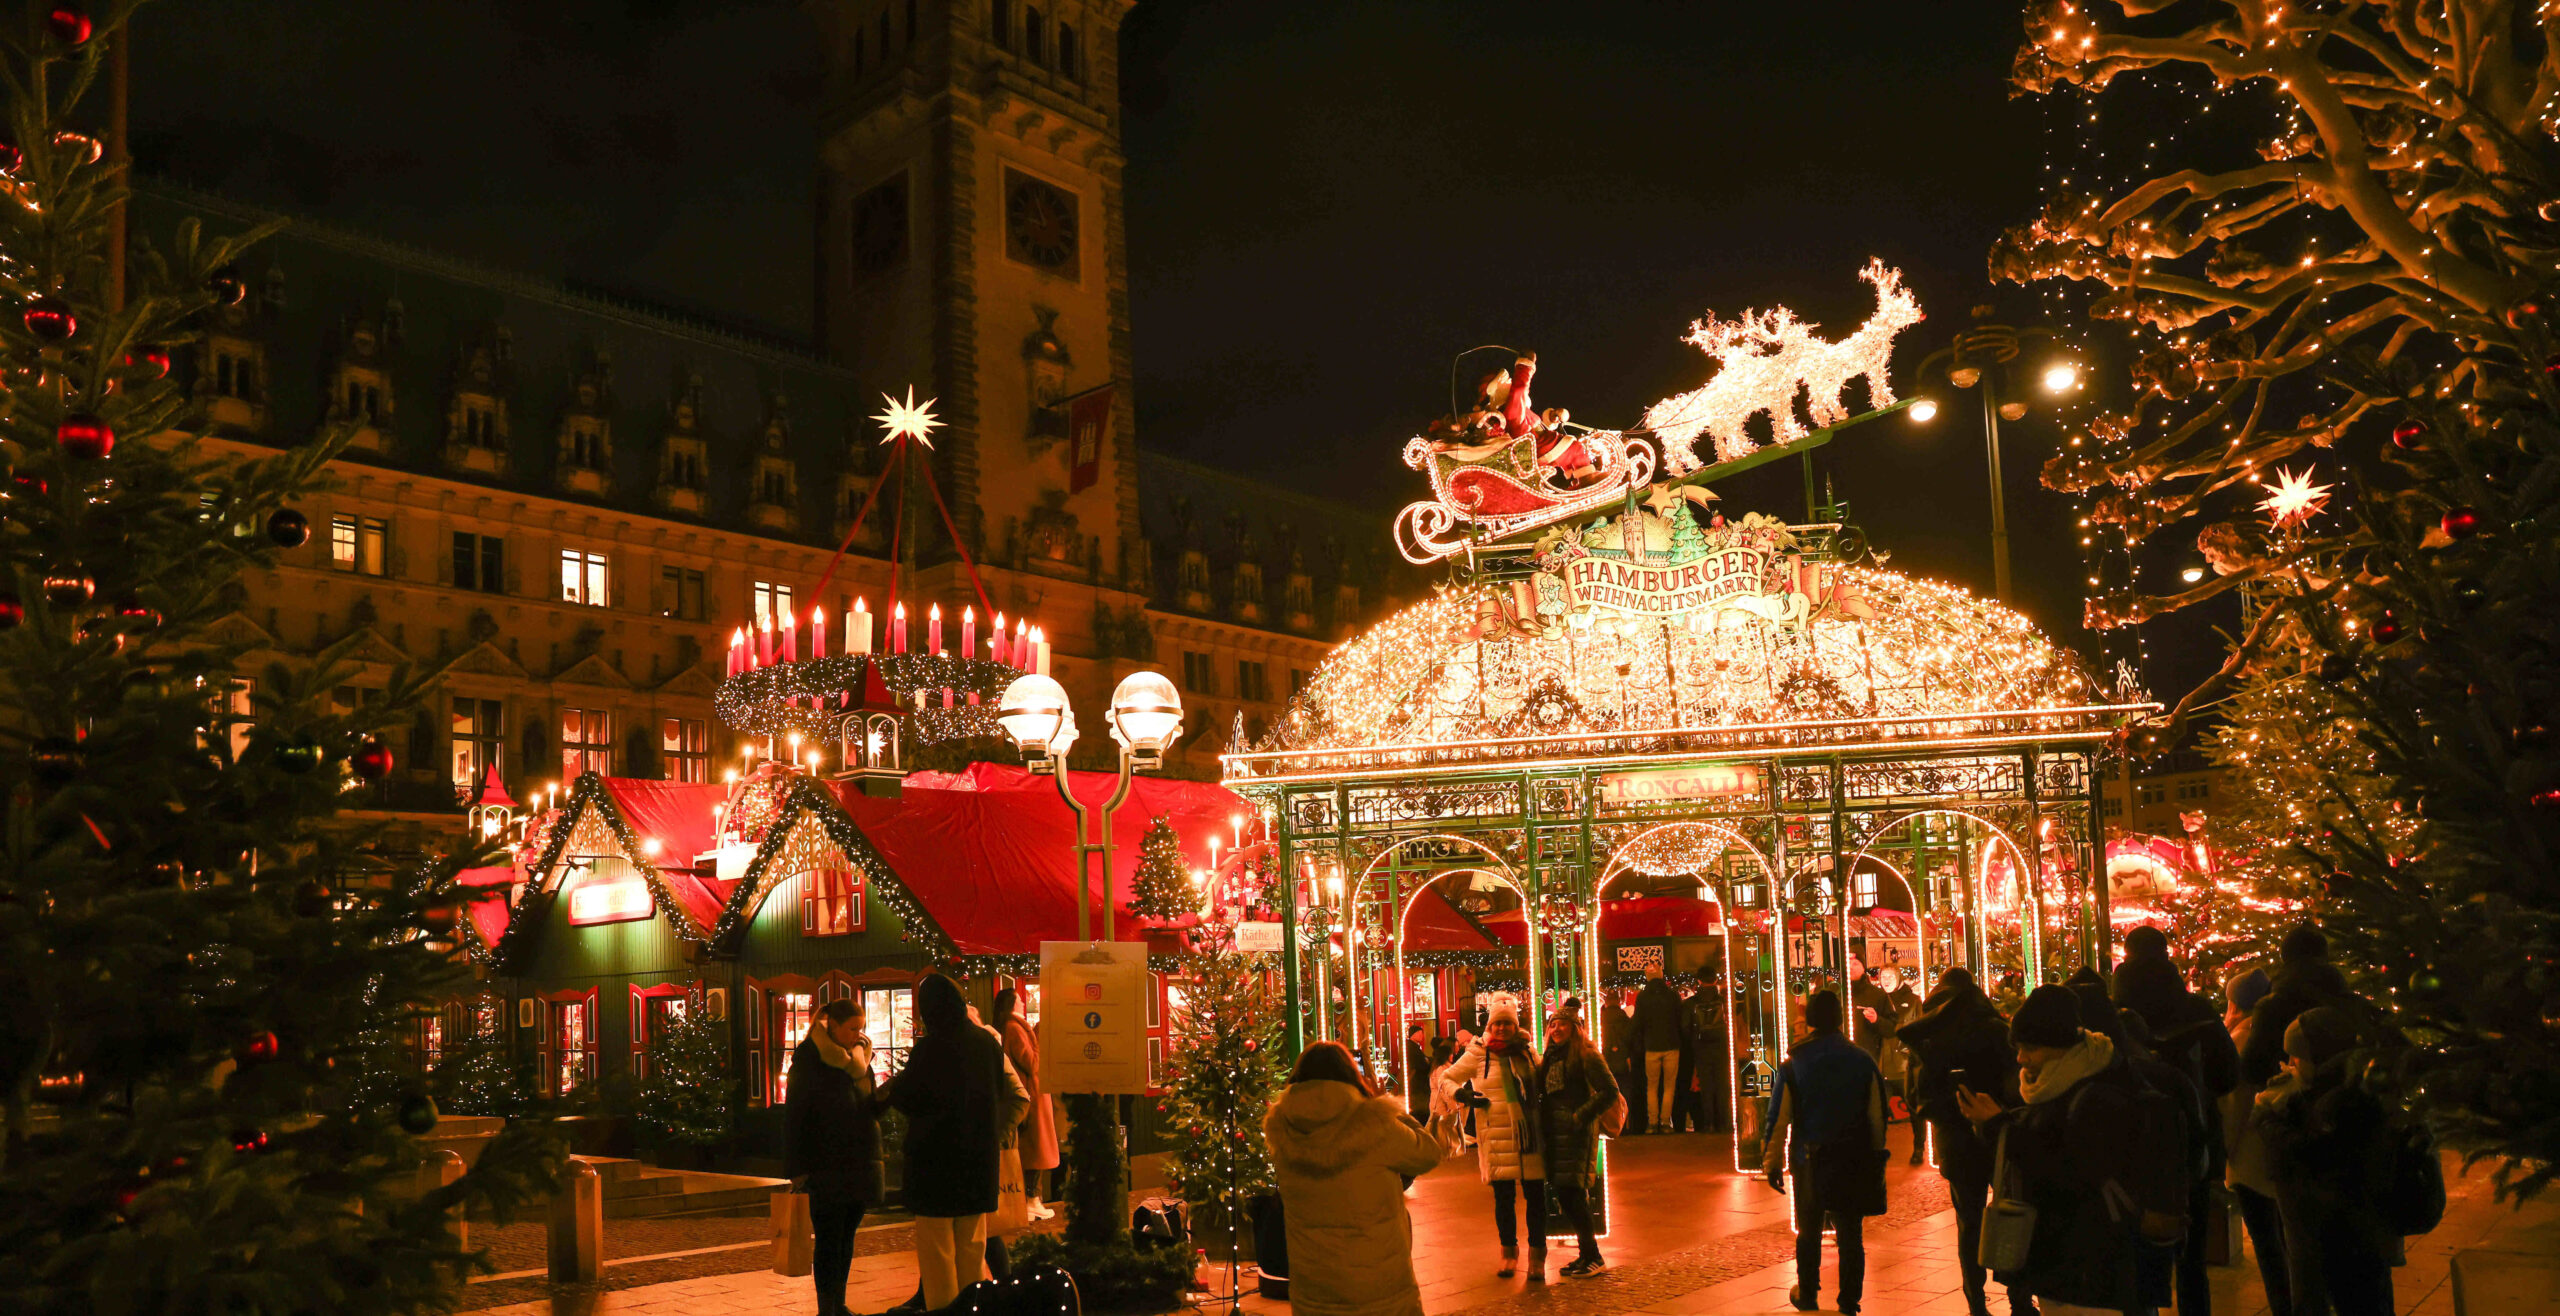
(855, 1061)
(2065, 1071)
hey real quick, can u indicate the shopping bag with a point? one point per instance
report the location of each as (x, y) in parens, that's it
(792, 1236)
(2222, 1232)
(2008, 1223)
(1013, 1207)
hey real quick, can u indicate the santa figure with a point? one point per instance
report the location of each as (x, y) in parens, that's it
(1503, 415)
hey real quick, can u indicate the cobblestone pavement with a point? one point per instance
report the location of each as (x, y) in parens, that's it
(1691, 1237)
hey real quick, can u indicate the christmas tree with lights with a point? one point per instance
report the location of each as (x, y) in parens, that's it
(1224, 1074)
(685, 1095)
(215, 978)
(1163, 888)
(2345, 395)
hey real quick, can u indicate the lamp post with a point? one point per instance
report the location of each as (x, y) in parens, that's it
(1145, 718)
(1974, 358)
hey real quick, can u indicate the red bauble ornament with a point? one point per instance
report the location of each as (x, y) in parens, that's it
(89, 147)
(136, 614)
(289, 528)
(2461, 522)
(372, 760)
(2407, 433)
(50, 319)
(2386, 628)
(70, 25)
(13, 612)
(249, 1142)
(11, 157)
(85, 437)
(2551, 365)
(2547, 801)
(227, 286)
(153, 361)
(264, 1046)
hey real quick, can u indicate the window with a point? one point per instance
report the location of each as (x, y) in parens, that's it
(685, 744)
(234, 707)
(586, 742)
(586, 448)
(1031, 34)
(1040, 225)
(431, 1040)
(880, 227)
(830, 902)
(1067, 53)
(650, 1017)
(2114, 806)
(573, 1045)
(791, 1014)
(1000, 21)
(582, 577)
(359, 544)
(1199, 674)
(480, 562)
(1253, 680)
(480, 427)
(1297, 679)
(235, 376)
(777, 487)
(477, 733)
(889, 1020)
(684, 593)
(2151, 794)
(772, 605)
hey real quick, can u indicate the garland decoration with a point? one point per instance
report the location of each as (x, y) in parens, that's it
(813, 695)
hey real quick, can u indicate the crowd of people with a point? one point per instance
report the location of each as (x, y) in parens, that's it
(2095, 1135)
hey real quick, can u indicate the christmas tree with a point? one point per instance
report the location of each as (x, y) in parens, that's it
(2346, 397)
(215, 980)
(1223, 1076)
(1163, 887)
(685, 1095)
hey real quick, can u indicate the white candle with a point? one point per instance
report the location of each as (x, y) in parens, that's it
(857, 628)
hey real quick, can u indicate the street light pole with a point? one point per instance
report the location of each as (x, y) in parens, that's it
(1999, 494)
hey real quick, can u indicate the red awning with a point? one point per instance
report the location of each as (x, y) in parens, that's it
(678, 816)
(990, 851)
(1434, 924)
(1629, 920)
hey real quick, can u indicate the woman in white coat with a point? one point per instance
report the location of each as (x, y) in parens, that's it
(1343, 1155)
(1504, 1070)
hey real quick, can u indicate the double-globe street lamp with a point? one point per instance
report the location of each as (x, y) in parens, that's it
(1145, 718)
(1975, 358)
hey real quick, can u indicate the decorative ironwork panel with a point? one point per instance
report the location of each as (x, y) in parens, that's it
(2062, 776)
(1312, 813)
(2001, 777)
(1803, 785)
(1557, 797)
(1407, 804)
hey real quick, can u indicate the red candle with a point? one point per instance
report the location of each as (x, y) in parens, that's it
(737, 646)
(790, 626)
(818, 632)
(969, 631)
(898, 628)
(996, 642)
(933, 630)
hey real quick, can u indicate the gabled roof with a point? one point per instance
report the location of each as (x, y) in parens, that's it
(484, 659)
(616, 815)
(694, 680)
(593, 670)
(1432, 923)
(367, 644)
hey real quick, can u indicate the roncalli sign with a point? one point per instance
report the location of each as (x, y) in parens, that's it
(1704, 585)
(1733, 781)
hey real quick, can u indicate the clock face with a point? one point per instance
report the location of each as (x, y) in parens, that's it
(1040, 224)
(880, 227)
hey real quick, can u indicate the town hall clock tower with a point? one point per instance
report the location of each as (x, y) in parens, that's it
(970, 243)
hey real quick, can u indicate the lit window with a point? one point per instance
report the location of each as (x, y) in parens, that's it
(573, 1043)
(582, 578)
(830, 902)
(476, 732)
(791, 1014)
(586, 742)
(773, 605)
(360, 544)
(685, 744)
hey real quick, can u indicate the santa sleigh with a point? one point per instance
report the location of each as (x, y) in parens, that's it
(1477, 503)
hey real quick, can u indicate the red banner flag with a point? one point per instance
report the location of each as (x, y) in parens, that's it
(1088, 420)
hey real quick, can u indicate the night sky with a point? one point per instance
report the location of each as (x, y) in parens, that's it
(1328, 199)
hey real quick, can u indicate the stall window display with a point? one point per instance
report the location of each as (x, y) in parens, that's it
(889, 1019)
(791, 1013)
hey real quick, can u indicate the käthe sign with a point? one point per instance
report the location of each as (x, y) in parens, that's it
(1093, 1016)
(1735, 781)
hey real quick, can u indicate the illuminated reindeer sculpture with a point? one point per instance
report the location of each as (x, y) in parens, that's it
(1764, 361)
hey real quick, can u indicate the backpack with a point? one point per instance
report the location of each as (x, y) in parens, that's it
(2416, 1205)
(2163, 1155)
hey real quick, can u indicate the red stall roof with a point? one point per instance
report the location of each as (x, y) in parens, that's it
(1630, 920)
(677, 815)
(990, 851)
(1435, 924)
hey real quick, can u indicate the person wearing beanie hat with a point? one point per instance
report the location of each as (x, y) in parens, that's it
(2332, 1147)
(1501, 1069)
(2247, 1166)
(2062, 1149)
(961, 1100)
(2303, 979)
(1827, 1126)
(1958, 1040)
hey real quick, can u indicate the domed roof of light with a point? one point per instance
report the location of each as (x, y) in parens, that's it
(1886, 649)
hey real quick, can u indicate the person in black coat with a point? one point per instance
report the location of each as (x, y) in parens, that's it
(2062, 1148)
(2304, 979)
(1826, 1127)
(1958, 1040)
(831, 1142)
(2185, 1033)
(960, 1101)
(1657, 1037)
(2332, 1147)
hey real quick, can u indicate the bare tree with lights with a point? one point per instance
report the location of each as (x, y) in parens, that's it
(2348, 394)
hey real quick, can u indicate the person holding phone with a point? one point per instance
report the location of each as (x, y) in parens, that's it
(1959, 1044)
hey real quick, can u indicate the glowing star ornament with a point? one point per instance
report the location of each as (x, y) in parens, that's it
(2293, 499)
(907, 419)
